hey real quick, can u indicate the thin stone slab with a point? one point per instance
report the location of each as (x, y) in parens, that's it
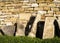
(33, 30)
(48, 28)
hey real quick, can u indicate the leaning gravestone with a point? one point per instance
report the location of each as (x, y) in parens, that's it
(21, 23)
(48, 28)
(8, 30)
(33, 30)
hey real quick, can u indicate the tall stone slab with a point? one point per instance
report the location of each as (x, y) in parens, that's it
(21, 23)
(49, 28)
(33, 30)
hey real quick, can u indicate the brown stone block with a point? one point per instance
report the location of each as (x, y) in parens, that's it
(38, 1)
(29, 9)
(57, 12)
(21, 9)
(46, 9)
(49, 0)
(38, 8)
(43, 4)
(58, 5)
(55, 9)
(51, 5)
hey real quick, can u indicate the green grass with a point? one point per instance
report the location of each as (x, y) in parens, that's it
(12, 39)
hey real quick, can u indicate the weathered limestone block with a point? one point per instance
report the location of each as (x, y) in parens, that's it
(21, 23)
(58, 5)
(43, 4)
(48, 28)
(55, 9)
(8, 30)
(32, 0)
(49, 0)
(57, 12)
(51, 5)
(46, 9)
(33, 30)
(29, 9)
(38, 1)
(38, 8)
(34, 5)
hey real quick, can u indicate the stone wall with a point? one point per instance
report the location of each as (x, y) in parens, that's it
(20, 11)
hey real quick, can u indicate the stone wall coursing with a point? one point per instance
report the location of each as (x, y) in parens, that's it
(20, 11)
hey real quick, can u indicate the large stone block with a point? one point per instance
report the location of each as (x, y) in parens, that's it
(29, 9)
(38, 8)
(55, 9)
(48, 28)
(49, 0)
(32, 0)
(51, 5)
(43, 4)
(57, 12)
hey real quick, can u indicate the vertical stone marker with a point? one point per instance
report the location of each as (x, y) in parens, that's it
(21, 24)
(33, 30)
(48, 28)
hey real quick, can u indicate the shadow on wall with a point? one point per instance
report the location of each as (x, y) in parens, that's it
(2, 32)
(15, 28)
(57, 29)
(40, 28)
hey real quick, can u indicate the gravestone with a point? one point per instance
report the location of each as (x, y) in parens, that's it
(8, 30)
(33, 30)
(48, 28)
(21, 23)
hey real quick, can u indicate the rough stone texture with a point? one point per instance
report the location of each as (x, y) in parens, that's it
(48, 28)
(20, 11)
(8, 30)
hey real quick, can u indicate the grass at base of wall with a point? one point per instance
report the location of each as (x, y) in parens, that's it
(19, 39)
